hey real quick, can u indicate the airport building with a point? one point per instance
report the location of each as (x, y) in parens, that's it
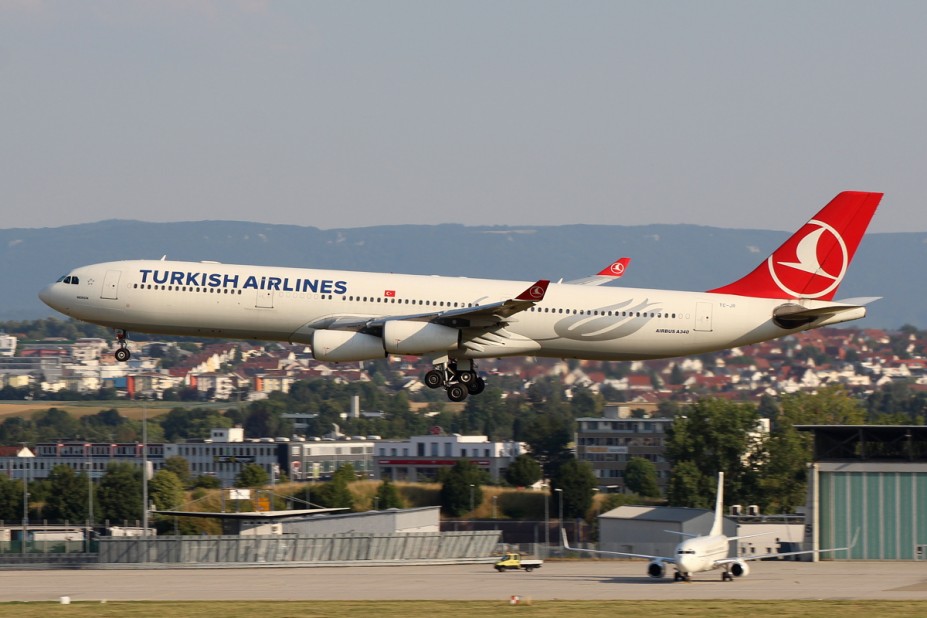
(610, 441)
(868, 490)
(420, 458)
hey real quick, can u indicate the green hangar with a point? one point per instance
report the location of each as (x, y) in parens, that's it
(867, 488)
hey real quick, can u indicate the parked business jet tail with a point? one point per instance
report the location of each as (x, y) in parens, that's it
(347, 316)
(705, 553)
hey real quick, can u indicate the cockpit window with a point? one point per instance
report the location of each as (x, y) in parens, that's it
(61, 279)
(72, 279)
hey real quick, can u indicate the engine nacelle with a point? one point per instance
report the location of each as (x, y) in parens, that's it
(656, 569)
(405, 337)
(340, 346)
(740, 569)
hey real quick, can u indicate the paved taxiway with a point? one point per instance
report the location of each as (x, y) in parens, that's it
(590, 580)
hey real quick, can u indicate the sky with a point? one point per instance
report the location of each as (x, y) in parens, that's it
(520, 113)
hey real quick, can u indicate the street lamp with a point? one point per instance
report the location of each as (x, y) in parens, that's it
(494, 506)
(560, 498)
(471, 499)
(546, 515)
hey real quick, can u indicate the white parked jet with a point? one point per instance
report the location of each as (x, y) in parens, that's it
(704, 553)
(351, 316)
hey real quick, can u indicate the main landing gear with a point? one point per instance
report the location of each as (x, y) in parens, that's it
(457, 381)
(122, 354)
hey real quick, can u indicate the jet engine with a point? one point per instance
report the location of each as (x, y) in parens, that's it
(405, 337)
(740, 568)
(656, 568)
(340, 346)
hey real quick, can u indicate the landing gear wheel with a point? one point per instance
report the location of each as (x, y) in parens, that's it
(676, 576)
(123, 354)
(466, 376)
(477, 386)
(727, 577)
(434, 379)
(456, 392)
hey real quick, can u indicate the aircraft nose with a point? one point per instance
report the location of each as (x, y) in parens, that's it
(47, 296)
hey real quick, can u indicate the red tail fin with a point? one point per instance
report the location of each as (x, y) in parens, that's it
(813, 262)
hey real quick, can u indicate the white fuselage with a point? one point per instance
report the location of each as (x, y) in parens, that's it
(288, 304)
(701, 553)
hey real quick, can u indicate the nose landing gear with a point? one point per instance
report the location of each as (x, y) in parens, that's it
(458, 382)
(122, 353)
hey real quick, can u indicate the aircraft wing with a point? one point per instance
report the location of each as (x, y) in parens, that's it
(726, 561)
(566, 545)
(462, 317)
(612, 272)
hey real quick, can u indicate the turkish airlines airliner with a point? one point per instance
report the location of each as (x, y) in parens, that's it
(351, 316)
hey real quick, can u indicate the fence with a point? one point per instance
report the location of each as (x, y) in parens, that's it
(342, 548)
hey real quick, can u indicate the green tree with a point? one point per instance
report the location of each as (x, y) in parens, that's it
(714, 435)
(524, 471)
(180, 467)
(388, 496)
(11, 499)
(336, 493)
(120, 493)
(640, 477)
(166, 491)
(252, 475)
(548, 436)
(576, 480)
(460, 490)
(67, 496)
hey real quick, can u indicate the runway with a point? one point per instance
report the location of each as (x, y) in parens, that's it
(573, 580)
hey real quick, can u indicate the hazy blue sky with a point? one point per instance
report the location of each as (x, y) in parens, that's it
(346, 114)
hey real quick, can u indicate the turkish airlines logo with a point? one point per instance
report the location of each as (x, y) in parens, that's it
(617, 269)
(812, 263)
(536, 292)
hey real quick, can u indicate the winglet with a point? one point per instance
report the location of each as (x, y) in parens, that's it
(814, 260)
(535, 292)
(616, 269)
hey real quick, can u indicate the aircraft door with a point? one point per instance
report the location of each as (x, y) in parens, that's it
(110, 285)
(703, 317)
(265, 299)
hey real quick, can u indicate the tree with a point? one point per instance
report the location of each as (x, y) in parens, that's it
(576, 480)
(715, 435)
(460, 490)
(67, 496)
(524, 471)
(180, 467)
(166, 491)
(640, 477)
(120, 493)
(388, 496)
(548, 436)
(11, 499)
(252, 475)
(336, 493)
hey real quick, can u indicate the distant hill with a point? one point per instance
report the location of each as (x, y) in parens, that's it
(685, 257)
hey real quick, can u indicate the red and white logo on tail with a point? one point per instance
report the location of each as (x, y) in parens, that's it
(814, 260)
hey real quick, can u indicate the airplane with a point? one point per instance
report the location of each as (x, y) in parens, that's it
(704, 553)
(612, 272)
(354, 316)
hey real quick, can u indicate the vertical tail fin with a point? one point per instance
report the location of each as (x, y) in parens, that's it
(717, 527)
(814, 260)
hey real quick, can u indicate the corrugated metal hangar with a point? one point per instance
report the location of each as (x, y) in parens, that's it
(868, 484)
